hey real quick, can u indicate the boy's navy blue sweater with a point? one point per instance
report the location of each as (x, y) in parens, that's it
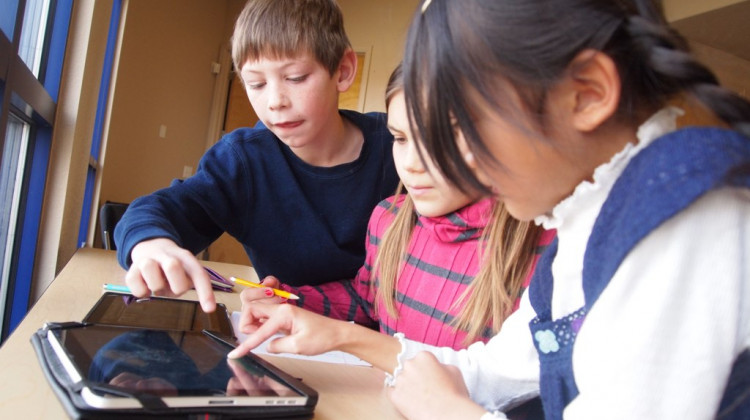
(301, 223)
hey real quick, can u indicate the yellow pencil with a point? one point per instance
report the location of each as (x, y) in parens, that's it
(277, 292)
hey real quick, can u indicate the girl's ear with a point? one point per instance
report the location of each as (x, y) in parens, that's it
(594, 88)
(347, 70)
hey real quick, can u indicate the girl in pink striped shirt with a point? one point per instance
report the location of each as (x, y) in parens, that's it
(443, 268)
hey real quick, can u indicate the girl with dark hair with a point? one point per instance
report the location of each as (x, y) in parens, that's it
(641, 307)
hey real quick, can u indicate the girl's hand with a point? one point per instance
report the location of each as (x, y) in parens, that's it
(426, 389)
(162, 267)
(306, 332)
(248, 323)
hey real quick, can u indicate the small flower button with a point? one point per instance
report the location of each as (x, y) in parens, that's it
(547, 341)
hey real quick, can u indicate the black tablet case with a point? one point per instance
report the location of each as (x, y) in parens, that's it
(68, 392)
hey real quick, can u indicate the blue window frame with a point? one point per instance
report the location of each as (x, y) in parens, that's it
(101, 108)
(9, 9)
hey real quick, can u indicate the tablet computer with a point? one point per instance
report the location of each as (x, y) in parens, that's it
(123, 368)
(158, 313)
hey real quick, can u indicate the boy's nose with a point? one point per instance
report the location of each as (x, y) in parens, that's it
(277, 98)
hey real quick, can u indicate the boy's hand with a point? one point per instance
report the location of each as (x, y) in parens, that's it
(162, 267)
(248, 323)
(306, 332)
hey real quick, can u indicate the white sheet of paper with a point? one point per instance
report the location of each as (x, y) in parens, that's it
(330, 357)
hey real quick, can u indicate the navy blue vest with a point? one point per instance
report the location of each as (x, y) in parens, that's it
(660, 181)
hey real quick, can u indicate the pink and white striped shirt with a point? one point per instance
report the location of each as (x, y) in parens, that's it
(442, 260)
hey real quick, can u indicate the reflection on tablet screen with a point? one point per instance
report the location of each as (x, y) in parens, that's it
(167, 364)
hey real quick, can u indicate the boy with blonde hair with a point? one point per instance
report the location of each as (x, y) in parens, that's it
(297, 190)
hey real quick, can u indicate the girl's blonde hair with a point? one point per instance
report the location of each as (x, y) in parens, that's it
(507, 252)
(506, 247)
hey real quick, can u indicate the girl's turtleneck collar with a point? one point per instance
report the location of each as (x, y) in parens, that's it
(463, 224)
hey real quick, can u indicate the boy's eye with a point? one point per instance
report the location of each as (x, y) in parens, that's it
(298, 79)
(255, 86)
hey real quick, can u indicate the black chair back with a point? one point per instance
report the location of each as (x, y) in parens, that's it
(110, 213)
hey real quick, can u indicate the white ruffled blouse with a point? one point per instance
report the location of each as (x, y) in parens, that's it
(661, 338)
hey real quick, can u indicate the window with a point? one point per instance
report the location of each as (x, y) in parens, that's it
(32, 46)
(11, 175)
(33, 32)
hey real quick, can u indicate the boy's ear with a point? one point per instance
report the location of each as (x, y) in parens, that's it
(347, 70)
(594, 89)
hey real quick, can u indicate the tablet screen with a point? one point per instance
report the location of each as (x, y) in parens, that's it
(158, 313)
(183, 368)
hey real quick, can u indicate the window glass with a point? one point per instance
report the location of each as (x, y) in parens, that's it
(11, 180)
(33, 32)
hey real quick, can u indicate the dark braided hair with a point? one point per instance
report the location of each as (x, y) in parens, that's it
(522, 48)
(669, 68)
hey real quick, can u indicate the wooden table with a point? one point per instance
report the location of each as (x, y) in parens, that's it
(346, 392)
